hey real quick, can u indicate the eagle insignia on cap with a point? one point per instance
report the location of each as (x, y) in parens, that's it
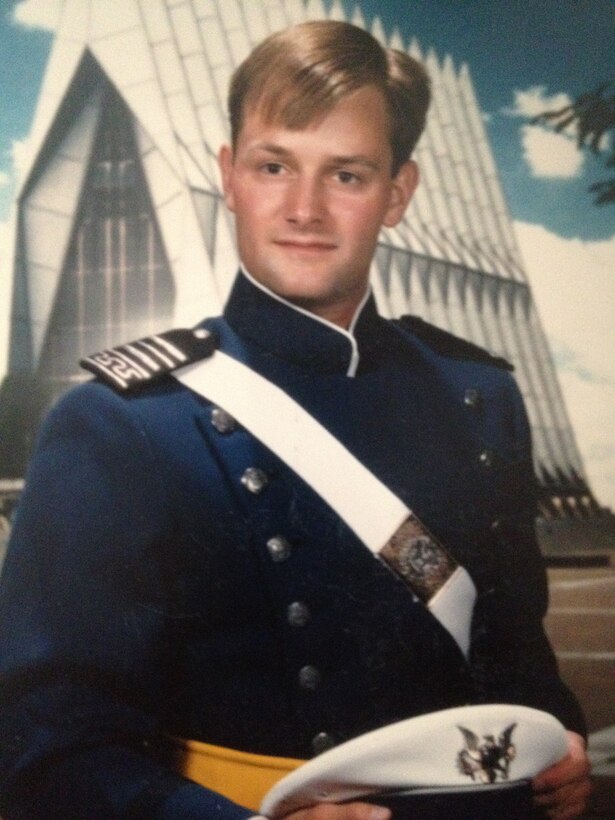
(486, 759)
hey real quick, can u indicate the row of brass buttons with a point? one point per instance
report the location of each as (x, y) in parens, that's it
(473, 398)
(279, 548)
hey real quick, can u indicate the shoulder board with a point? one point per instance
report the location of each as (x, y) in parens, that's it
(133, 365)
(447, 344)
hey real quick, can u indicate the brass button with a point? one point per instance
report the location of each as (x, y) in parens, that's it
(298, 614)
(309, 678)
(279, 549)
(486, 458)
(322, 742)
(223, 421)
(255, 480)
(472, 397)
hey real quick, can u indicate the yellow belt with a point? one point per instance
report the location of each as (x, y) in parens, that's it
(240, 776)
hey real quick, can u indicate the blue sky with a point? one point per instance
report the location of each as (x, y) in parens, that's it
(23, 54)
(524, 55)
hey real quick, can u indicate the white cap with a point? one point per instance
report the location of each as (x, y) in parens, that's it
(481, 746)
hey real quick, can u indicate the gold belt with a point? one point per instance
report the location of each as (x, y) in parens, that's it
(242, 777)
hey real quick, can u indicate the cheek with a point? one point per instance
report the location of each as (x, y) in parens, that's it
(364, 223)
(267, 206)
(251, 213)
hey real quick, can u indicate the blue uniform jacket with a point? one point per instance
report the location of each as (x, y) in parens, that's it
(143, 595)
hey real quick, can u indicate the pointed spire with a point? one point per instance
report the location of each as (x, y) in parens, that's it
(337, 12)
(414, 50)
(433, 64)
(448, 69)
(377, 29)
(396, 40)
(357, 17)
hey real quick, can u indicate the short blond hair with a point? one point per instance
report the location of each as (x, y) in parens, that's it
(300, 73)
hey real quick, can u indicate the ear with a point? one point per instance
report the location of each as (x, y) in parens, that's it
(225, 162)
(403, 187)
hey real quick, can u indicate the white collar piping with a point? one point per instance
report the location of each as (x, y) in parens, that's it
(349, 334)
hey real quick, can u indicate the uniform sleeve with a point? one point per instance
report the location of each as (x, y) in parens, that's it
(513, 660)
(84, 647)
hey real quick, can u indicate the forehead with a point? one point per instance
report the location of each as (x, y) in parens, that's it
(360, 119)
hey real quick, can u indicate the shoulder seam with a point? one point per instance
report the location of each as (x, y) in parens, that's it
(447, 344)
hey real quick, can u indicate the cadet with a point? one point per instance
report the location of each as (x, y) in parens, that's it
(220, 569)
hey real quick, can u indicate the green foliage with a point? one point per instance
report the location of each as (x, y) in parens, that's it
(593, 117)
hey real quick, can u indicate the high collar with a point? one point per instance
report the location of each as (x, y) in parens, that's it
(297, 336)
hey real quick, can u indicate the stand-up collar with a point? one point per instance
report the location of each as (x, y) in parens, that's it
(297, 336)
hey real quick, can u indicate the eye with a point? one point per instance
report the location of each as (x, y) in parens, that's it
(347, 177)
(272, 168)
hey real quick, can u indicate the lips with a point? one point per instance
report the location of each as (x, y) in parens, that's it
(307, 246)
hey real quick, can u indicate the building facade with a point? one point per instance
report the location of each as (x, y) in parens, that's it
(121, 229)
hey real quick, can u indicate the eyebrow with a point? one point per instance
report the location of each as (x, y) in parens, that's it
(353, 159)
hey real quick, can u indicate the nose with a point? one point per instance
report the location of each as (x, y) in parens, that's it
(305, 203)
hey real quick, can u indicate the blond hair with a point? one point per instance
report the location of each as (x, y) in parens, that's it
(300, 73)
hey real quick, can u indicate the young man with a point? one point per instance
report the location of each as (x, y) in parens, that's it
(170, 576)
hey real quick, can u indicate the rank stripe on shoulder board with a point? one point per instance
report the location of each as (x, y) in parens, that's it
(136, 363)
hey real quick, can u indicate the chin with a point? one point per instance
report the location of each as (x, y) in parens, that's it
(303, 289)
(306, 295)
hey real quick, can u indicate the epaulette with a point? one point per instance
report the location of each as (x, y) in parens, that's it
(447, 344)
(133, 365)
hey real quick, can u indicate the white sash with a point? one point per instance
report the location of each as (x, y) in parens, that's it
(361, 500)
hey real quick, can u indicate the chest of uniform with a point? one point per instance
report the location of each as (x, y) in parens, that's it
(434, 445)
(439, 444)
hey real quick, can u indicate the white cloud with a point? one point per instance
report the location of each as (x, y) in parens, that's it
(534, 101)
(43, 14)
(549, 154)
(5, 179)
(573, 283)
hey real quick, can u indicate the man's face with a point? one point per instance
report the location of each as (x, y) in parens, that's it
(309, 203)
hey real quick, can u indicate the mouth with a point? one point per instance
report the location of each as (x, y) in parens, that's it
(305, 245)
